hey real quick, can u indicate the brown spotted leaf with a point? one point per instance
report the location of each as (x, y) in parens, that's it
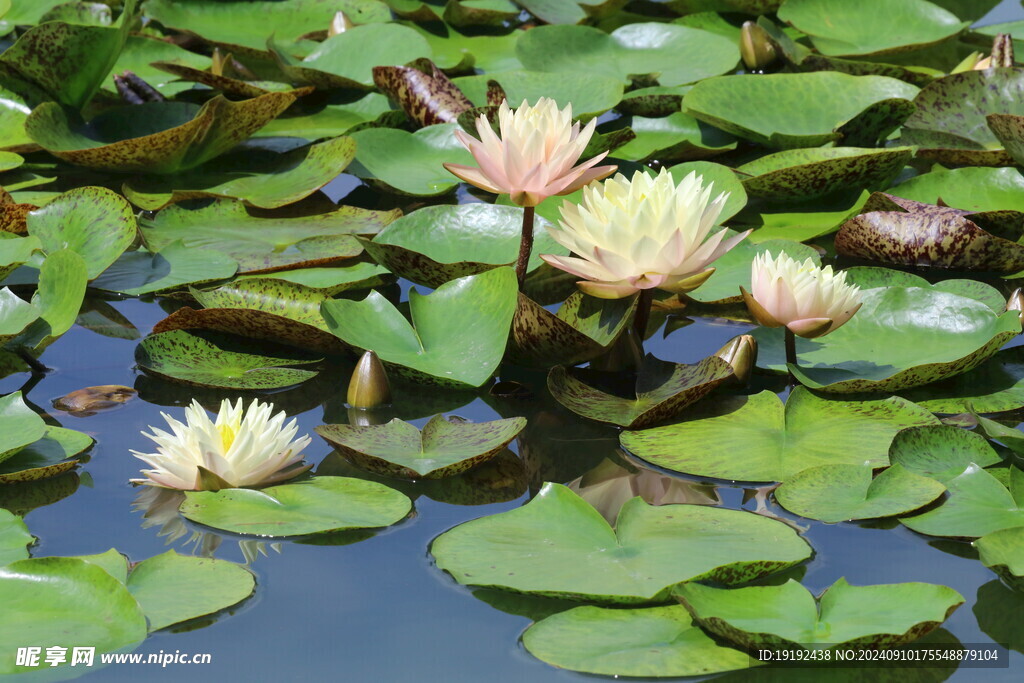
(427, 98)
(1009, 128)
(231, 86)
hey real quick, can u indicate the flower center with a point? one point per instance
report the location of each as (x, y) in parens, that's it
(228, 433)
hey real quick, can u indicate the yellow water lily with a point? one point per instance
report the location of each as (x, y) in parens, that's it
(249, 447)
(642, 233)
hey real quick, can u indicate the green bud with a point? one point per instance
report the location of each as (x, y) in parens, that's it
(741, 353)
(756, 47)
(369, 387)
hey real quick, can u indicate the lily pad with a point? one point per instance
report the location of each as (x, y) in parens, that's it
(173, 266)
(52, 455)
(837, 493)
(676, 137)
(777, 441)
(995, 386)
(286, 179)
(663, 390)
(94, 222)
(154, 137)
(950, 123)
(444, 448)
(590, 94)
(68, 601)
(978, 504)
(558, 545)
(732, 269)
(839, 28)
(773, 109)
(423, 92)
(789, 616)
(437, 244)
(672, 54)
(647, 642)
(809, 173)
(973, 189)
(477, 310)
(902, 337)
(184, 357)
(140, 52)
(173, 588)
(331, 281)
(1003, 552)
(14, 538)
(19, 425)
(410, 163)
(583, 328)
(15, 315)
(940, 452)
(1009, 128)
(319, 505)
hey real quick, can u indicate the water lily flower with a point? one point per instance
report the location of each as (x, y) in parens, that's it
(809, 301)
(248, 447)
(642, 233)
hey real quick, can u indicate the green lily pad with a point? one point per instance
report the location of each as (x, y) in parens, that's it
(15, 315)
(647, 642)
(265, 244)
(808, 173)
(10, 160)
(173, 266)
(111, 561)
(14, 538)
(24, 14)
(837, 493)
(58, 298)
(437, 244)
(732, 269)
(154, 137)
(444, 448)
(1003, 552)
(902, 337)
(410, 163)
(558, 545)
(477, 310)
(839, 28)
(777, 441)
(68, 601)
(773, 110)
(582, 329)
(184, 357)
(454, 50)
(995, 386)
(315, 506)
(672, 54)
(52, 455)
(140, 52)
(978, 504)
(663, 390)
(328, 122)
(789, 616)
(677, 137)
(331, 281)
(654, 101)
(286, 179)
(19, 425)
(940, 452)
(590, 94)
(13, 112)
(173, 588)
(972, 189)
(94, 222)
(950, 123)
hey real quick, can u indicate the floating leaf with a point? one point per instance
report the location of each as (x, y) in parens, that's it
(19, 425)
(14, 538)
(676, 137)
(477, 310)
(978, 504)
(558, 545)
(437, 244)
(663, 390)
(777, 441)
(141, 51)
(773, 110)
(940, 452)
(315, 506)
(184, 357)
(808, 173)
(52, 455)
(789, 616)
(1009, 129)
(654, 641)
(590, 94)
(331, 281)
(427, 96)
(1003, 552)
(330, 121)
(173, 588)
(995, 386)
(15, 315)
(972, 189)
(410, 163)
(444, 448)
(175, 265)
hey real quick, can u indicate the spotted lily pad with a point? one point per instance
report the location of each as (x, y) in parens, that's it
(583, 328)
(676, 137)
(54, 454)
(1003, 552)
(808, 173)
(645, 642)
(14, 538)
(789, 616)
(271, 184)
(777, 441)
(558, 545)
(410, 163)
(444, 448)
(477, 310)
(672, 54)
(840, 28)
(318, 505)
(423, 92)
(173, 266)
(332, 281)
(995, 386)
(183, 357)
(978, 504)
(940, 452)
(155, 137)
(1009, 129)
(663, 390)
(773, 110)
(440, 243)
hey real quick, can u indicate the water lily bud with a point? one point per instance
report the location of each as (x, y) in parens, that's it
(1002, 52)
(1016, 303)
(756, 47)
(741, 353)
(625, 355)
(339, 24)
(369, 387)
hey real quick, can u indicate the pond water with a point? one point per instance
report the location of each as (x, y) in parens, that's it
(378, 609)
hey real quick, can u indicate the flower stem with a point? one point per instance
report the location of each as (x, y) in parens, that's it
(525, 245)
(790, 353)
(643, 313)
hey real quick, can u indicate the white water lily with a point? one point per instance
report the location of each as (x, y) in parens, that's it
(642, 233)
(808, 300)
(248, 447)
